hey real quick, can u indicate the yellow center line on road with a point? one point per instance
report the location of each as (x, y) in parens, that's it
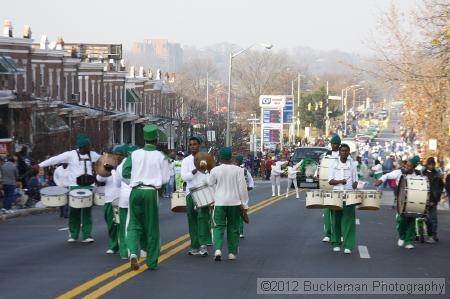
(116, 271)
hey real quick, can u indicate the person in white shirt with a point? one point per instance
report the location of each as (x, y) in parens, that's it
(292, 177)
(80, 176)
(343, 176)
(171, 184)
(238, 159)
(405, 225)
(231, 197)
(275, 176)
(335, 143)
(198, 219)
(112, 192)
(148, 171)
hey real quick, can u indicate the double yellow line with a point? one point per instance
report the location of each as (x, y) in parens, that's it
(130, 274)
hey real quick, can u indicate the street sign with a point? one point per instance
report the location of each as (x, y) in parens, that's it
(271, 116)
(272, 135)
(337, 98)
(288, 110)
(272, 101)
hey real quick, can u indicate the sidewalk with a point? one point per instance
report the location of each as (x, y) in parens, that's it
(25, 212)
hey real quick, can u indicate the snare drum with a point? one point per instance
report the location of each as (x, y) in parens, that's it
(80, 198)
(54, 196)
(413, 194)
(99, 196)
(371, 200)
(314, 199)
(203, 196)
(324, 168)
(353, 198)
(333, 199)
(178, 203)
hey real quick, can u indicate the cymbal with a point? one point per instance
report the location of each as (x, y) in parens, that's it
(105, 159)
(202, 156)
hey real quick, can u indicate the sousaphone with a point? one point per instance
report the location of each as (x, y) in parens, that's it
(202, 156)
(105, 164)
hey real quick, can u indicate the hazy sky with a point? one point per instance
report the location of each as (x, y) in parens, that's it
(320, 24)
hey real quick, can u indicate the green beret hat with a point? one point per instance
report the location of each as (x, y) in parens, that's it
(121, 149)
(239, 158)
(82, 140)
(415, 160)
(132, 148)
(335, 139)
(151, 132)
(225, 153)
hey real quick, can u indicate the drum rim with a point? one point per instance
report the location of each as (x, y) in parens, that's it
(88, 192)
(199, 188)
(54, 188)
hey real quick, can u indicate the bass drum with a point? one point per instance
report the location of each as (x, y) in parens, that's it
(413, 195)
(324, 169)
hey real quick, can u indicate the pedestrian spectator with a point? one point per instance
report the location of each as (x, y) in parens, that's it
(170, 186)
(22, 168)
(436, 187)
(10, 179)
(377, 170)
(269, 167)
(34, 187)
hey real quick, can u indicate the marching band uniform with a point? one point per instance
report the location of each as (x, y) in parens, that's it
(230, 193)
(198, 219)
(343, 222)
(78, 165)
(112, 193)
(148, 170)
(250, 186)
(327, 212)
(292, 178)
(405, 225)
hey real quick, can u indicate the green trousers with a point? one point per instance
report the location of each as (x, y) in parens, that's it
(327, 222)
(227, 217)
(343, 226)
(113, 228)
(406, 228)
(80, 216)
(144, 224)
(241, 225)
(123, 248)
(199, 222)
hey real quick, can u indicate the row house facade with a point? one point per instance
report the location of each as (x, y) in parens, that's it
(60, 93)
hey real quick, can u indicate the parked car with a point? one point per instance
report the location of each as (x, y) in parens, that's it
(307, 177)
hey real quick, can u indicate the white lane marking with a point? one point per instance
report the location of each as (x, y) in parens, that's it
(363, 252)
(64, 228)
(357, 221)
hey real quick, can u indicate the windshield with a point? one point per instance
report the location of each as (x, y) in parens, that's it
(308, 153)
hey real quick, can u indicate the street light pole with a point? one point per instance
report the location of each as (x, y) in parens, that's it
(230, 69)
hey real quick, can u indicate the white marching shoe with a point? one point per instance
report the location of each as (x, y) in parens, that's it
(110, 251)
(218, 255)
(71, 240)
(326, 239)
(347, 251)
(88, 240)
(409, 246)
(400, 243)
(336, 249)
(143, 253)
(134, 262)
(232, 256)
(297, 195)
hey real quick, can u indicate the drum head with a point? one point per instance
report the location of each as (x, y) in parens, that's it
(80, 193)
(401, 196)
(51, 191)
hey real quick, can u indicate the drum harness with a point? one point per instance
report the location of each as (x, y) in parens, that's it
(85, 179)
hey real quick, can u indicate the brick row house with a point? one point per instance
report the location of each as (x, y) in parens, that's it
(59, 90)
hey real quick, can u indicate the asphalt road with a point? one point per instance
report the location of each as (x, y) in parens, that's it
(282, 240)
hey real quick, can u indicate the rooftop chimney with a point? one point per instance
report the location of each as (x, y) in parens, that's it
(132, 72)
(141, 71)
(59, 43)
(44, 43)
(158, 74)
(26, 31)
(7, 29)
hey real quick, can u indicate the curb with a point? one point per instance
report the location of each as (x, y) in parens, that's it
(26, 212)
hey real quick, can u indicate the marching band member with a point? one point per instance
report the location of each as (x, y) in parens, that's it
(250, 185)
(292, 177)
(198, 219)
(112, 192)
(80, 176)
(343, 176)
(148, 170)
(275, 176)
(405, 225)
(335, 142)
(230, 193)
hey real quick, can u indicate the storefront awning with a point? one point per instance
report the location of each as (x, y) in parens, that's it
(47, 123)
(9, 66)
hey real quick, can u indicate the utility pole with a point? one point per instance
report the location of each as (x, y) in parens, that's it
(327, 118)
